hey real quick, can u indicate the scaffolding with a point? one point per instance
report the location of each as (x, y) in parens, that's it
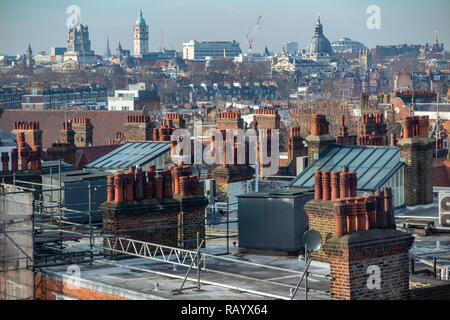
(37, 232)
(16, 244)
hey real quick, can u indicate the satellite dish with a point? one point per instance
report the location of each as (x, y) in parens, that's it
(313, 240)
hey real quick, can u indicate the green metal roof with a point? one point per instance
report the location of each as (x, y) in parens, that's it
(140, 20)
(374, 165)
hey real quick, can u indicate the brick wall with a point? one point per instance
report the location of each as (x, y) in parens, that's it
(191, 221)
(229, 120)
(148, 221)
(230, 174)
(317, 144)
(321, 218)
(145, 206)
(44, 288)
(267, 119)
(138, 128)
(351, 256)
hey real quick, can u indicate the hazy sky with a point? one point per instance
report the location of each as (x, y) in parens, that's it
(42, 23)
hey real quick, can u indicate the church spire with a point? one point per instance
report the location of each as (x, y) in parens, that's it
(108, 50)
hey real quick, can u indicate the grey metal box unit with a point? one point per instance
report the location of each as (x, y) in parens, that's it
(75, 193)
(273, 220)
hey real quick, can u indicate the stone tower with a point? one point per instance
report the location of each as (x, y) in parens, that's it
(140, 36)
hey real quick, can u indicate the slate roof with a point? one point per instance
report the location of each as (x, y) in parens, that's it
(106, 123)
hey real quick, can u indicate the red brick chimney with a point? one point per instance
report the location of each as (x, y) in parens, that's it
(138, 128)
(67, 135)
(296, 147)
(176, 120)
(359, 235)
(267, 118)
(147, 207)
(84, 132)
(373, 130)
(320, 137)
(417, 150)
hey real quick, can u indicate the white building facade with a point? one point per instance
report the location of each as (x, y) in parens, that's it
(194, 50)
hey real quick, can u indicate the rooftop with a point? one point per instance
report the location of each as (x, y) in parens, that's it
(131, 154)
(374, 165)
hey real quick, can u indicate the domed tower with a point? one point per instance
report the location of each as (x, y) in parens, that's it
(140, 36)
(319, 47)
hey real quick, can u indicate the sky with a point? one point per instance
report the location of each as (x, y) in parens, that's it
(42, 23)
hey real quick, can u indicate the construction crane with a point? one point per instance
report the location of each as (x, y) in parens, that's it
(249, 40)
(162, 40)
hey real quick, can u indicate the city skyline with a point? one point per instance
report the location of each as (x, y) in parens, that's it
(219, 20)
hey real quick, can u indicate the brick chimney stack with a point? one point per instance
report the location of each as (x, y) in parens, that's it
(320, 137)
(67, 135)
(302, 118)
(373, 130)
(138, 128)
(229, 120)
(176, 120)
(145, 206)
(84, 132)
(296, 148)
(32, 132)
(343, 137)
(267, 118)
(359, 234)
(417, 150)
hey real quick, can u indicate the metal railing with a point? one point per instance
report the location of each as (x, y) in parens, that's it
(197, 260)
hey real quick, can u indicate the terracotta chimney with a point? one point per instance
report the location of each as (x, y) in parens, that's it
(326, 185)
(110, 189)
(14, 160)
(24, 159)
(129, 192)
(361, 217)
(184, 185)
(381, 216)
(351, 215)
(371, 212)
(353, 183)
(390, 217)
(5, 161)
(167, 184)
(119, 187)
(335, 191)
(318, 185)
(194, 184)
(158, 186)
(340, 218)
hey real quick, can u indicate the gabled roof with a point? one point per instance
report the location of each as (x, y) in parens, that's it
(86, 155)
(131, 154)
(374, 165)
